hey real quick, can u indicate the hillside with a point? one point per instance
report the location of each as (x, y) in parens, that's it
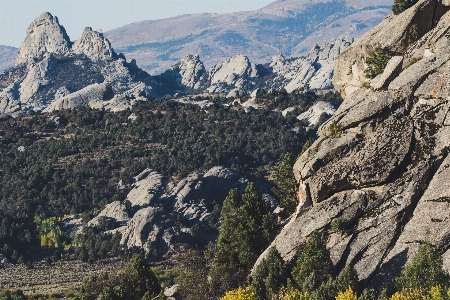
(290, 27)
(7, 57)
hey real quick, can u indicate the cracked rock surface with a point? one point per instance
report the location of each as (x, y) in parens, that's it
(386, 174)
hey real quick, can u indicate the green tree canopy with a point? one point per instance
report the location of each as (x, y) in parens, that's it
(286, 190)
(248, 227)
(314, 266)
(424, 271)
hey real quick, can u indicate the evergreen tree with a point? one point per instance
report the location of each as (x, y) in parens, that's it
(347, 279)
(314, 265)
(286, 190)
(424, 271)
(269, 275)
(248, 227)
(402, 5)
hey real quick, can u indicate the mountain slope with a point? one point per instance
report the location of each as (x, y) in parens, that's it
(7, 57)
(291, 27)
(383, 172)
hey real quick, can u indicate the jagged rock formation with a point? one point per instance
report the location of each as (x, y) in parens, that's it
(384, 175)
(160, 207)
(237, 76)
(93, 45)
(51, 73)
(312, 115)
(188, 71)
(44, 35)
(314, 71)
(235, 72)
(292, 27)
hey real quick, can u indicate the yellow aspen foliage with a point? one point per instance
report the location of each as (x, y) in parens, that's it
(240, 294)
(349, 294)
(436, 293)
(294, 294)
(414, 294)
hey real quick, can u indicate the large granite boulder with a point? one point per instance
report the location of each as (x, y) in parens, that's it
(394, 33)
(384, 173)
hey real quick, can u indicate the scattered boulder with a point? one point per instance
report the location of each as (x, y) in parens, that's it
(312, 115)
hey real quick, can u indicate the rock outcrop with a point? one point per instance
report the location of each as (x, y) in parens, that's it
(160, 208)
(312, 115)
(44, 35)
(52, 73)
(314, 71)
(93, 45)
(395, 34)
(188, 71)
(235, 72)
(384, 175)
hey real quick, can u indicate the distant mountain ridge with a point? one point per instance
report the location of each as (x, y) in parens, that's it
(291, 27)
(7, 57)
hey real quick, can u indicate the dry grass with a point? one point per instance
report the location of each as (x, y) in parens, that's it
(56, 278)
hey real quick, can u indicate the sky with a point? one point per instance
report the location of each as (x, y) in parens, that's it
(75, 15)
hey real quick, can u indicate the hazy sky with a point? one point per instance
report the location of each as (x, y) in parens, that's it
(74, 15)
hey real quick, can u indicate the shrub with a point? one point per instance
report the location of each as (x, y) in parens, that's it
(348, 294)
(334, 130)
(336, 226)
(240, 294)
(294, 294)
(376, 62)
(402, 5)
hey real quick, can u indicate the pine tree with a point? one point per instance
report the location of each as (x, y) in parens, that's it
(269, 275)
(424, 271)
(286, 190)
(347, 279)
(248, 227)
(314, 265)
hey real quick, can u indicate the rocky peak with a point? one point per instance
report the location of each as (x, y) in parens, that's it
(44, 35)
(190, 69)
(93, 45)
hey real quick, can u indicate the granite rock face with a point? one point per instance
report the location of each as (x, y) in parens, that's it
(384, 175)
(93, 45)
(44, 35)
(157, 209)
(395, 34)
(51, 73)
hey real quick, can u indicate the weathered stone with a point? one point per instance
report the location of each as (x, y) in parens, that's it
(391, 33)
(93, 45)
(44, 35)
(81, 97)
(313, 114)
(393, 68)
(147, 189)
(114, 211)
